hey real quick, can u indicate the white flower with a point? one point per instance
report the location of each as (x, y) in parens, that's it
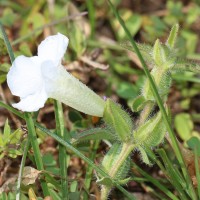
(35, 79)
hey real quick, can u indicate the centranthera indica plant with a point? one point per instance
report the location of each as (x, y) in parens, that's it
(149, 130)
(37, 78)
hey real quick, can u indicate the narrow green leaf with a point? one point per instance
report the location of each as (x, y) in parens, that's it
(138, 103)
(157, 183)
(6, 132)
(93, 134)
(5, 38)
(144, 155)
(172, 36)
(18, 192)
(174, 175)
(186, 65)
(157, 53)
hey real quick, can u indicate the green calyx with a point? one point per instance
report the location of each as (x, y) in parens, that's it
(151, 133)
(118, 120)
(111, 160)
(162, 79)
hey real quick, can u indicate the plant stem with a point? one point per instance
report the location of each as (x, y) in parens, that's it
(88, 175)
(60, 129)
(36, 150)
(105, 190)
(160, 104)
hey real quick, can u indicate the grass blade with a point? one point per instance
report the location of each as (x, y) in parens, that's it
(155, 182)
(7, 43)
(27, 145)
(11, 109)
(60, 129)
(36, 150)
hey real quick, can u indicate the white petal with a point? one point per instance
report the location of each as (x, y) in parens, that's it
(53, 48)
(32, 102)
(64, 87)
(24, 77)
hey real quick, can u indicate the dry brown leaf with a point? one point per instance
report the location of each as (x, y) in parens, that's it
(30, 175)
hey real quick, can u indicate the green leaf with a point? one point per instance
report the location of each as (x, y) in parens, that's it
(133, 21)
(138, 103)
(124, 181)
(145, 49)
(186, 65)
(74, 195)
(54, 194)
(32, 22)
(144, 155)
(111, 159)
(127, 90)
(158, 55)
(2, 78)
(119, 120)
(13, 153)
(4, 67)
(193, 143)
(174, 176)
(105, 181)
(73, 186)
(78, 40)
(151, 133)
(93, 134)
(172, 36)
(184, 125)
(74, 116)
(8, 17)
(6, 132)
(16, 136)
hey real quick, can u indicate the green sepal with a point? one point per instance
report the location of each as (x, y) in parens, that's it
(172, 36)
(186, 65)
(111, 155)
(93, 134)
(138, 103)
(144, 155)
(158, 53)
(151, 133)
(124, 181)
(145, 50)
(118, 120)
(105, 181)
(111, 159)
(162, 79)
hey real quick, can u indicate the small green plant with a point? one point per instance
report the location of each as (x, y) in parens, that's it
(10, 142)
